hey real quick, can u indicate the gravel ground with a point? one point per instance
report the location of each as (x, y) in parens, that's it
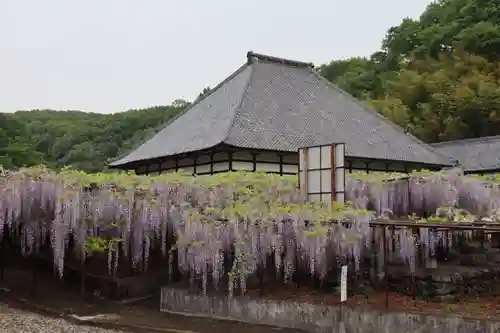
(18, 321)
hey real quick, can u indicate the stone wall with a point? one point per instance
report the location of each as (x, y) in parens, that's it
(315, 318)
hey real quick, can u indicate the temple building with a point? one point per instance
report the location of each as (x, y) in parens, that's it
(258, 117)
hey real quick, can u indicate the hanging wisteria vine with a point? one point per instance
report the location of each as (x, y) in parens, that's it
(422, 193)
(246, 217)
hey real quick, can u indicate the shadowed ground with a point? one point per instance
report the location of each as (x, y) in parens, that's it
(53, 300)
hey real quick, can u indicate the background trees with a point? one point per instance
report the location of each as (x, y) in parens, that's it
(85, 141)
(438, 77)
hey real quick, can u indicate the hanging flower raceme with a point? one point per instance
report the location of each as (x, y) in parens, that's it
(241, 219)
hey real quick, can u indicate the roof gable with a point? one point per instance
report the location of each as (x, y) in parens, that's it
(279, 104)
(479, 154)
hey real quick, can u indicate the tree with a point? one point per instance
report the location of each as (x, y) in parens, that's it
(205, 92)
(355, 75)
(437, 76)
(453, 97)
(86, 141)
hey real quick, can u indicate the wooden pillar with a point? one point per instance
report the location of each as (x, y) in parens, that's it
(211, 163)
(230, 161)
(281, 164)
(303, 173)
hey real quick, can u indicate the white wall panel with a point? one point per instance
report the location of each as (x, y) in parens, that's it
(287, 168)
(221, 166)
(314, 181)
(268, 167)
(326, 181)
(247, 166)
(204, 168)
(326, 157)
(313, 158)
(187, 169)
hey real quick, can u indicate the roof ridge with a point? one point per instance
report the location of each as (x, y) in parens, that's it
(252, 56)
(468, 140)
(378, 115)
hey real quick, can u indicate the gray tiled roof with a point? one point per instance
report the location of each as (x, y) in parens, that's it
(479, 154)
(277, 104)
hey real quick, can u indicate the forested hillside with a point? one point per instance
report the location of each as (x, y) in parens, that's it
(438, 76)
(83, 140)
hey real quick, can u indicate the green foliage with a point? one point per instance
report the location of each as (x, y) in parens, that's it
(95, 245)
(100, 245)
(86, 141)
(438, 76)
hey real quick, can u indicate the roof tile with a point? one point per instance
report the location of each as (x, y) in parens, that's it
(479, 154)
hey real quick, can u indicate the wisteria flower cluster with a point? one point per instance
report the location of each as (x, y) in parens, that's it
(248, 216)
(422, 193)
(241, 216)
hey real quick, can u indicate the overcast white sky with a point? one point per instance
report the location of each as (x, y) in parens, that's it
(113, 55)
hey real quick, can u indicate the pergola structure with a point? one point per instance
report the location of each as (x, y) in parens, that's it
(258, 118)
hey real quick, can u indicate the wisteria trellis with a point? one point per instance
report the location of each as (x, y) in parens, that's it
(249, 215)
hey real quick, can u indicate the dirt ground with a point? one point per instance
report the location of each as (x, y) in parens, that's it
(50, 293)
(17, 317)
(15, 320)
